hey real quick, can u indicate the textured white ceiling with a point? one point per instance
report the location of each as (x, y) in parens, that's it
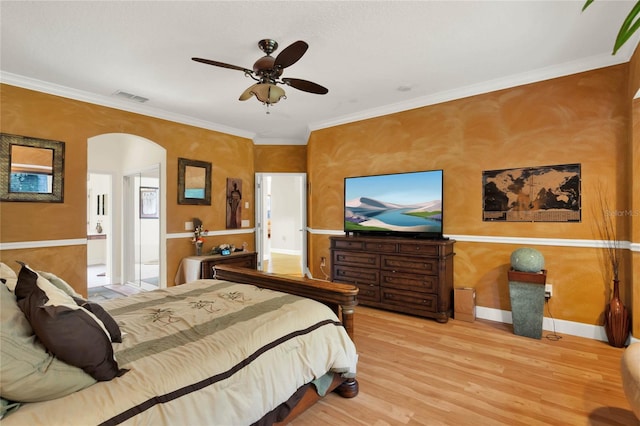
(375, 57)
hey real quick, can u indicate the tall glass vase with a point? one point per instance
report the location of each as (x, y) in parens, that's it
(616, 319)
(198, 249)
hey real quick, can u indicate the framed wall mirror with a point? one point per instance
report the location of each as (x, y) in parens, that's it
(194, 182)
(31, 169)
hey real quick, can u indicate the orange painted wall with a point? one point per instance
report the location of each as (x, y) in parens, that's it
(576, 119)
(35, 114)
(281, 158)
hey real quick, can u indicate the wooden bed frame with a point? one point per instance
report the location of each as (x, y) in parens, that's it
(341, 298)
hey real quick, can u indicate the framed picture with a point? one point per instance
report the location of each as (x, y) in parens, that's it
(149, 207)
(532, 194)
(31, 169)
(194, 182)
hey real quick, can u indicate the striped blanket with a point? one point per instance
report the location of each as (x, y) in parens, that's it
(205, 353)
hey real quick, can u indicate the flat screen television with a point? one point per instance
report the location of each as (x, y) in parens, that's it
(399, 204)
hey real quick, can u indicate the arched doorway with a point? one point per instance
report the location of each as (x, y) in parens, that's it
(126, 227)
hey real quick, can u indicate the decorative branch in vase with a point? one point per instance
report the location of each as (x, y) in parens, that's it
(616, 316)
(198, 235)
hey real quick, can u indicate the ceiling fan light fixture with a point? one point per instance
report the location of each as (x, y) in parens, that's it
(268, 70)
(266, 93)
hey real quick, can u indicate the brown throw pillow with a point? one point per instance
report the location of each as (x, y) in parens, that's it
(70, 332)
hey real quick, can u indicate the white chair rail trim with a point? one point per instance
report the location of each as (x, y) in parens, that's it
(559, 242)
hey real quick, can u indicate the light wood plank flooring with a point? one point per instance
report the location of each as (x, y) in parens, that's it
(283, 264)
(416, 371)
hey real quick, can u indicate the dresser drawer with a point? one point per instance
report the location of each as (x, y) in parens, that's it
(368, 292)
(407, 299)
(403, 263)
(380, 247)
(347, 244)
(404, 281)
(418, 248)
(351, 275)
(349, 258)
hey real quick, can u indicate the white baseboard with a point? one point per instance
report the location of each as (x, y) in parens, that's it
(572, 328)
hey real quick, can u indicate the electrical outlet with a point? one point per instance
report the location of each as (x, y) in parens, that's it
(323, 261)
(548, 291)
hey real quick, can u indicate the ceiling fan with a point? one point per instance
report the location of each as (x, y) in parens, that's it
(267, 71)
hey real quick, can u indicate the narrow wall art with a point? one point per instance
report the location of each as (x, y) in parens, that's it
(234, 203)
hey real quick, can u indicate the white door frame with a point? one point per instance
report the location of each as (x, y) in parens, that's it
(130, 216)
(259, 204)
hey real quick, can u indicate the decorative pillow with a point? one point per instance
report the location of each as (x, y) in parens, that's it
(60, 283)
(6, 272)
(72, 333)
(107, 320)
(28, 373)
(110, 324)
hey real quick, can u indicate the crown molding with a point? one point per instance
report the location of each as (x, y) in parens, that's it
(280, 141)
(108, 101)
(542, 74)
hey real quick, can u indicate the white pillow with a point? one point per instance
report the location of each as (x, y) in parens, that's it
(60, 283)
(6, 272)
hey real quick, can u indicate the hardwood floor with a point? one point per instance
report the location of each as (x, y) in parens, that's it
(284, 264)
(415, 371)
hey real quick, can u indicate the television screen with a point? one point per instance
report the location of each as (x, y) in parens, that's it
(401, 204)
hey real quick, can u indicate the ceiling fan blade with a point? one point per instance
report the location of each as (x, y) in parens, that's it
(291, 54)
(306, 86)
(221, 64)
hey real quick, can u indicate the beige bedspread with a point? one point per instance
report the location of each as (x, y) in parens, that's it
(205, 353)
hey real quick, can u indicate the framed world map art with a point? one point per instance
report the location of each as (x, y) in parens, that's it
(532, 194)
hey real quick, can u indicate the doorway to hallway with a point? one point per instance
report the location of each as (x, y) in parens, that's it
(281, 237)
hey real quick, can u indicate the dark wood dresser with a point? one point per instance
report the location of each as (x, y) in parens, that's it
(242, 259)
(399, 274)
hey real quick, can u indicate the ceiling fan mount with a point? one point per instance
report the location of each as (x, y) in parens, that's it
(268, 70)
(268, 45)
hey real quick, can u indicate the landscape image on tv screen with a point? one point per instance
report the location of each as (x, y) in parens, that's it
(395, 203)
